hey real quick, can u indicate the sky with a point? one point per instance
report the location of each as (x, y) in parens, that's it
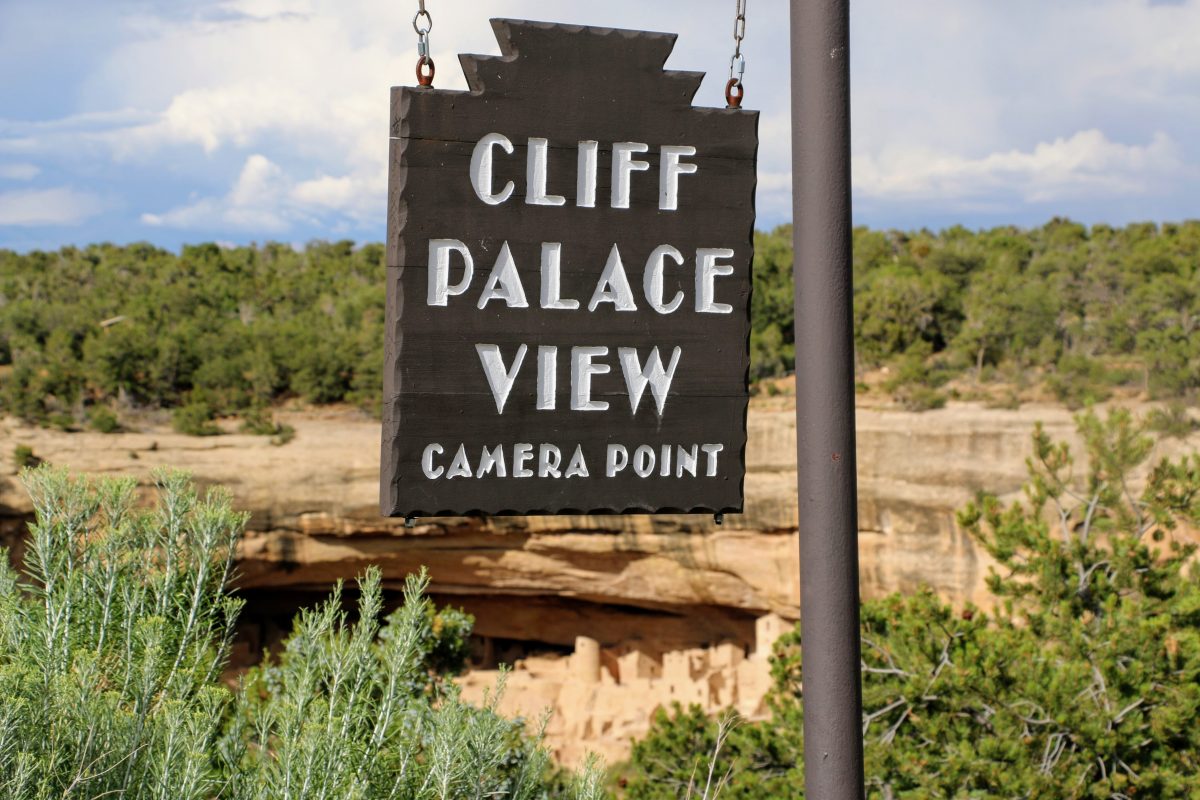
(182, 121)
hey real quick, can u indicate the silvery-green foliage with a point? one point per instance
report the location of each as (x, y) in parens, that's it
(113, 639)
(350, 710)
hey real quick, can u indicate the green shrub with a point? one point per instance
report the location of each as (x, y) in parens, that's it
(112, 642)
(914, 381)
(770, 356)
(1008, 400)
(685, 746)
(283, 434)
(353, 709)
(102, 419)
(195, 419)
(112, 645)
(242, 326)
(919, 398)
(1079, 381)
(260, 422)
(1174, 420)
(62, 421)
(23, 457)
(1081, 684)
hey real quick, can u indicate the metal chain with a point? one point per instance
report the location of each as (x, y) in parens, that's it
(734, 90)
(423, 23)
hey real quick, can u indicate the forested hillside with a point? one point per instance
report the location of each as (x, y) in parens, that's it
(997, 314)
(209, 331)
(1063, 308)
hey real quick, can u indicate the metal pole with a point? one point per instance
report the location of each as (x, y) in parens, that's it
(827, 490)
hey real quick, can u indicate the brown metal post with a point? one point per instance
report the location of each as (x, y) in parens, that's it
(827, 490)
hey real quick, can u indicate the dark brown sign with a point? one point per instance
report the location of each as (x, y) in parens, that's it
(569, 251)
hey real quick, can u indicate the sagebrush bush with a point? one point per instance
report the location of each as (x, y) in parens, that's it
(112, 644)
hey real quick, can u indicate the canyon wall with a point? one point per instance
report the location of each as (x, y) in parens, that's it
(654, 585)
(675, 579)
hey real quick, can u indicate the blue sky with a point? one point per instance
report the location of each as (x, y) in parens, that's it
(250, 120)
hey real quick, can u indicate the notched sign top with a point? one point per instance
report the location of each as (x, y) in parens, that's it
(569, 250)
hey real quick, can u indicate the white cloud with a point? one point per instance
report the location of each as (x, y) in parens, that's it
(314, 83)
(269, 116)
(30, 208)
(18, 172)
(252, 204)
(327, 192)
(258, 183)
(1085, 164)
(265, 199)
(82, 133)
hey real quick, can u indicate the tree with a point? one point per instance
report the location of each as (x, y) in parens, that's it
(1007, 315)
(1084, 682)
(896, 309)
(246, 327)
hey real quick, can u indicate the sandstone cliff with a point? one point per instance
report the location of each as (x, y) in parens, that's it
(678, 580)
(650, 584)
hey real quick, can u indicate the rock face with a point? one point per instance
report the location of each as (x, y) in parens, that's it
(647, 584)
(314, 519)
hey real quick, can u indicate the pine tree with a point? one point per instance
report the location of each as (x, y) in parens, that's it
(1084, 682)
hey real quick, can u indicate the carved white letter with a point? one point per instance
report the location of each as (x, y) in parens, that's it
(707, 269)
(618, 459)
(535, 175)
(522, 455)
(427, 467)
(439, 270)
(500, 379)
(549, 461)
(613, 286)
(585, 181)
(654, 376)
(459, 467)
(711, 451)
(504, 283)
(551, 280)
(547, 377)
(643, 461)
(652, 279)
(491, 460)
(582, 370)
(578, 466)
(481, 169)
(622, 165)
(669, 170)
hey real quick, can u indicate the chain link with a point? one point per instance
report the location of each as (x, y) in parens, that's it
(734, 90)
(739, 27)
(423, 23)
(428, 21)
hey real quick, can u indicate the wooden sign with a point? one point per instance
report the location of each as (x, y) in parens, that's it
(569, 251)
